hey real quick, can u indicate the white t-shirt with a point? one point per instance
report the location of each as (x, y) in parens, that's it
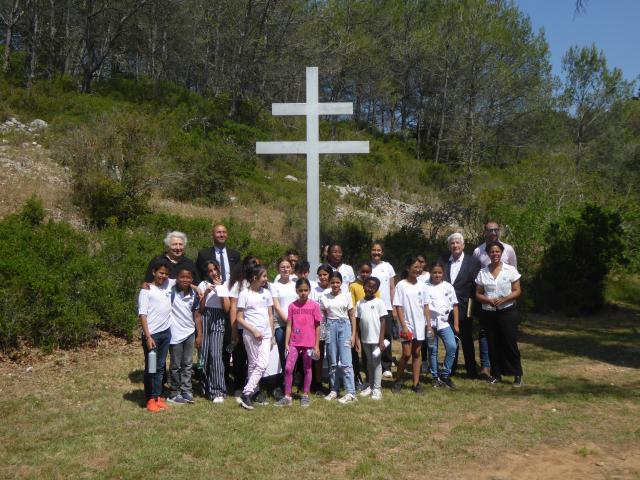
(255, 309)
(182, 321)
(234, 292)
(347, 276)
(412, 298)
(293, 277)
(498, 287)
(214, 299)
(155, 303)
(424, 277)
(336, 306)
(508, 255)
(442, 298)
(455, 267)
(286, 295)
(369, 313)
(317, 291)
(384, 272)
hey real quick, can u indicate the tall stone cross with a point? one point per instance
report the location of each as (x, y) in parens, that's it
(312, 148)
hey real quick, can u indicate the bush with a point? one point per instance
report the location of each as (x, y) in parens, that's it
(114, 162)
(48, 276)
(581, 249)
(354, 238)
(61, 286)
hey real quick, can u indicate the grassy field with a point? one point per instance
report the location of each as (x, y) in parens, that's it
(78, 414)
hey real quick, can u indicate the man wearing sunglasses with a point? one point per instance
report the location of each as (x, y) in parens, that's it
(491, 234)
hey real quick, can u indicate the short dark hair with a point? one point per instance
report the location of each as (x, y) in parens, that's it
(303, 267)
(335, 274)
(495, 243)
(324, 267)
(374, 280)
(163, 262)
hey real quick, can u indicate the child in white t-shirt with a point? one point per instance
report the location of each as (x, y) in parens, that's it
(370, 316)
(341, 336)
(255, 314)
(412, 305)
(154, 311)
(214, 305)
(317, 290)
(442, 302)
(186, 330)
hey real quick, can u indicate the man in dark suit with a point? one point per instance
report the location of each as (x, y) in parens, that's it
(461, 271)
(226, 257)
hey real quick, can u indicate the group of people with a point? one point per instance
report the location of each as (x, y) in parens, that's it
(241, 323)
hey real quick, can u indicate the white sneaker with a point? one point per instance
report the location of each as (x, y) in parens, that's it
(348, 398)
(236, 395)
(219, 399)
(365, 392)
(387, 374)
(331, 396)
(376, 394)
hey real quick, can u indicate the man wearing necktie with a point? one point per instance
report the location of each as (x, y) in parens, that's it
(226, 257)
(461, 271)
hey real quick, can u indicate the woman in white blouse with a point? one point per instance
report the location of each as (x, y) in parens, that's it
(497, 288)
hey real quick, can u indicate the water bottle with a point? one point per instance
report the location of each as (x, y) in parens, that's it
(376, 351)
(151, 361)
(312, 353)
(200, 364)
(430, 338)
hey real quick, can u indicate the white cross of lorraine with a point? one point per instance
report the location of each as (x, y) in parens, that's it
(312, 148)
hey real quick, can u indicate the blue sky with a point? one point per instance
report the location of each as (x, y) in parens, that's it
(613, 25)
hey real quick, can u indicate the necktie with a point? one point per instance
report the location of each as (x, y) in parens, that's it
(223, 273)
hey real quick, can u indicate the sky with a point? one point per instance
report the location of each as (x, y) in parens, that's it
(613, 25)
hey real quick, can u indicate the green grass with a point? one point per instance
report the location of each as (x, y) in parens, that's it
(78, 414)
(623, 288)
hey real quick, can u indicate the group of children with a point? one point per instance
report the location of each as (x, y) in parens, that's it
(340, 316)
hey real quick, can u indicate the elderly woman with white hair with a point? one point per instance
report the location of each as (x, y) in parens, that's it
(175, 243)
(460, 271)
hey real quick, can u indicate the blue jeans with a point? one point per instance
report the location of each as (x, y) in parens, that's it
(153, 381)
(449, 340)
(339, 348)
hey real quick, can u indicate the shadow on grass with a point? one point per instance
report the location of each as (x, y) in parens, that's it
(136, 376)
(136, 396)
(563, 387)
(611, 337)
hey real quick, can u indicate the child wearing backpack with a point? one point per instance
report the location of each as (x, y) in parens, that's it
(186, 332)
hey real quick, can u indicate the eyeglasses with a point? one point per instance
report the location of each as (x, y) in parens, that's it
(493, 230)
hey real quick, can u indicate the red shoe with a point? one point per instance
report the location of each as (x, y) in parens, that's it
(152, 405)
(162, 405)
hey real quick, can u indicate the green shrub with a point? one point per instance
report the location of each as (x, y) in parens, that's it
(47, 277)
(354, 238)
(580, 251)
(114, 161)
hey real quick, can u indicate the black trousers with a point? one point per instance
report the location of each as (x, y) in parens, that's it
(240, 364)
(502, 333)
(466, 341)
